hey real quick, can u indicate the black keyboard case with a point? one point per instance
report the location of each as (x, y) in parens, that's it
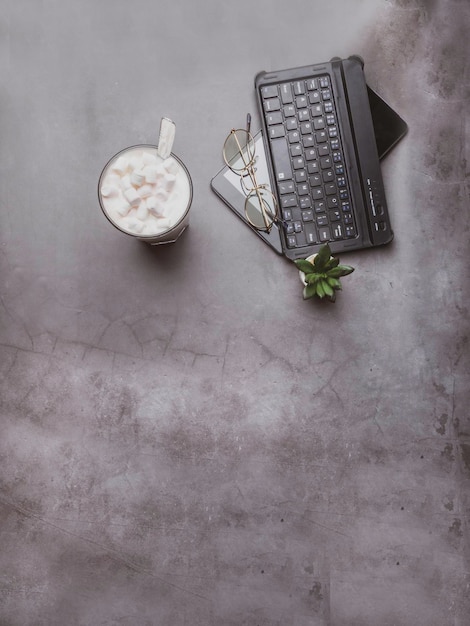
(359, 149)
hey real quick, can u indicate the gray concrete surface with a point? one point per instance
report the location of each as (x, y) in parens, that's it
(184, 440)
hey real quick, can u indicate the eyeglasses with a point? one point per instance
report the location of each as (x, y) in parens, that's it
(239, 154)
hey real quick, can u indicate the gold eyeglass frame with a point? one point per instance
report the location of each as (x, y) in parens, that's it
(247, 153)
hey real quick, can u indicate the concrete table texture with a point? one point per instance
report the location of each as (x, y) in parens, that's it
(183, 439)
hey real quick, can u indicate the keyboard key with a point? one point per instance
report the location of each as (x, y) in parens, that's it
(273, 104)
(312, 84)
(308, 141)
(301, 102)
(298, 163)
(324, 82)
(303, 115)
(335, 216)
(316, 110)
(310, 233)
(305, 203)
(314, 97)
(286, 93)
(287, 187)
(291, 241)
(310, 154)
(307, 216)
(299, 87)
(322, 220)
(300, 176)
(289, 110)
(276, 131)
(324, 234)
(288, 201)
(281, 159)
(337, 231)
(274, 118)
(295, 149)
(291, 123)
(269, 91)
(293, 136)
(318, 123)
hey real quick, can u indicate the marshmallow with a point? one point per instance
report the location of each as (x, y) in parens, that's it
(135, 225)
(108, 191)
(145, 191)
(169, 182)
(114, 180)
(171, 166)
(161, 195)
(154, 206)
(150, 174)
(122, 208)
(137, 177)
(149, 159)
(121, 165)
(132, 196)
(142, 211)
(126, 182)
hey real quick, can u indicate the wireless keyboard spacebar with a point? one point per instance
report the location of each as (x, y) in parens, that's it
(281, 159)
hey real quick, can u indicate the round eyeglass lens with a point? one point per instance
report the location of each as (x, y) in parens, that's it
(260, 208)
(239, 150)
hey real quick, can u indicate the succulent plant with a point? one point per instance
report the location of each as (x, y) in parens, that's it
(322, 274)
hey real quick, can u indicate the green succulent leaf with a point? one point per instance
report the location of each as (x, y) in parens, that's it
(333, 262)
(309, 291)
(327, 288)
(304, 266)
(319, 289)
(311, 279)
(322, 257)
(334, 282)
(340, 270)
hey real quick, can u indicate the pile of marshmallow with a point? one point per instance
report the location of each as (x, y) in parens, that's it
(138, 192)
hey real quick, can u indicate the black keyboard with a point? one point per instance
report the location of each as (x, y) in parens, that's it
(303, 133)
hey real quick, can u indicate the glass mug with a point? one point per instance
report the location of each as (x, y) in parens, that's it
(146, 196)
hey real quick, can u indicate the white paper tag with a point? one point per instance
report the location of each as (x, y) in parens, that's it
(166, 137)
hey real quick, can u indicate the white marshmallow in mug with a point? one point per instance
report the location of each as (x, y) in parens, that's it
(126, 182)
(154, 206)
(149, 159)
(137, 177)
(121, 165)
(109, 191)
(122, 207)
(132, 196)
(169, 182)
(150, 174)
(145, 191)
(142, 211)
